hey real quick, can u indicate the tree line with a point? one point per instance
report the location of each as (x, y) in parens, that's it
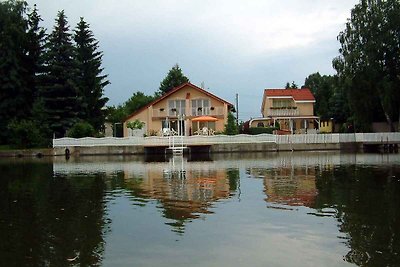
(51, 82)
(366, 87)
(48, 81)
(174, 78)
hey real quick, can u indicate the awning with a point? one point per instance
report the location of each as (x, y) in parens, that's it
(205, 118)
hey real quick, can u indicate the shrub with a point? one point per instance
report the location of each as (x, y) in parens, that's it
(26, 134)
(136, 124)
(81, 129)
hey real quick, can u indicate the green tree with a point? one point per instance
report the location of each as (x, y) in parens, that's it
(369, 62)
(34, 56)
(59, 92)
(136, 124)
(116, 114)
(13, 86)
(231, 127)
(174, 78)
(89, 79)
(137, 101)
(293, 85)
(322, 89)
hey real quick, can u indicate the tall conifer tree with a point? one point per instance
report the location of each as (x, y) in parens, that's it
(90, 81)
(59, 92)
(13, 86)
(34, 56)
(174, 78)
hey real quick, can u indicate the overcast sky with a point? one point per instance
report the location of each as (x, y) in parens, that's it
(232, 46)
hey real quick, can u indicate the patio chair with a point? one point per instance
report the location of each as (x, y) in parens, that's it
(165, 132)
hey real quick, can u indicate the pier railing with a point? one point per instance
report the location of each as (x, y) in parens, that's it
(238, 139)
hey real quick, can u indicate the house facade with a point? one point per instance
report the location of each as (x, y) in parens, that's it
(185, 110)
(292, 109)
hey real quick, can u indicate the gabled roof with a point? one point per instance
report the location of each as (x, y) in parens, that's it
(172, 91)
(303, 94)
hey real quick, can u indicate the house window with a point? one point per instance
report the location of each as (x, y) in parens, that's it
(281, 103)
(200, 107)
(176, 107)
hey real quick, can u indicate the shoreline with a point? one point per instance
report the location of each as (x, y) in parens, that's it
(77, 151)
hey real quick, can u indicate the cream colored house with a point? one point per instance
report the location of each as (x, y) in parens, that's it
(293, 109)
(185, 110)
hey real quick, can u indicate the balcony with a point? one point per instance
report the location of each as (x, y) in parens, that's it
(284, 112)
(213, 111)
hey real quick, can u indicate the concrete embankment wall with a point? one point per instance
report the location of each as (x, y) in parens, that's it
(216, 148)
(27, 152)
(99, 150)
(247, 147)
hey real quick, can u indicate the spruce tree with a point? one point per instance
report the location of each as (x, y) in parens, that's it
(174, 78)
(13, 86)
(59, 92)
(90, 81)
(34, 56)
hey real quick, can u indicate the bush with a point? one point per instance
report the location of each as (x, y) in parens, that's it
(26, 134)
(81, 129)
(261, 130)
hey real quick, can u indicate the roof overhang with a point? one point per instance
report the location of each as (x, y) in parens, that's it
(294, 117)
(304, 101)
(288, 97)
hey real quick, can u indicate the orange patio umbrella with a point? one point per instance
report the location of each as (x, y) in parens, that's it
(204, 118)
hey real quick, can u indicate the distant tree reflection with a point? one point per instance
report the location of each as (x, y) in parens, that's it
(368, 204)
(50, 221)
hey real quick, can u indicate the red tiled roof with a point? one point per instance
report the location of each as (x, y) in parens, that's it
(173, 91)
(303, 94)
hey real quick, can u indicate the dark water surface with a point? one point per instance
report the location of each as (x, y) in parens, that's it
(286, 209)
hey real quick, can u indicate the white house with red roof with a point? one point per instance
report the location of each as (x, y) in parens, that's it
(293, 109)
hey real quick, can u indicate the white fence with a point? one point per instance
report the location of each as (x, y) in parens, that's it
(163, 141)
(233, 139)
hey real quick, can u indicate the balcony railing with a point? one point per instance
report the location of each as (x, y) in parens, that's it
(283, 112)
(162, 113)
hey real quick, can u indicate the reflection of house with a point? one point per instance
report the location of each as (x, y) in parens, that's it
(183, 194)
(293, 186)
(177, 108)
(293, 109)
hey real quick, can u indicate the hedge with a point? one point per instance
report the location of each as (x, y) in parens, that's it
(261, 130)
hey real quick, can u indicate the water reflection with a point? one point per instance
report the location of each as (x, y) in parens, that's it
(323, 209)
(185, 190)
(49, 221)
(367, 204)
(289, 185)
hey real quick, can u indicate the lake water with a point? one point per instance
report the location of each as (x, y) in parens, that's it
(270, 209)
